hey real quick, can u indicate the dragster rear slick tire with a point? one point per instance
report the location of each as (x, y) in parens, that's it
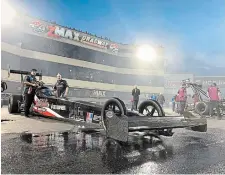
(13, 106)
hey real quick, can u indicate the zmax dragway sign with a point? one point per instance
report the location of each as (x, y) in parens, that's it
(73, 35)
(58, 32)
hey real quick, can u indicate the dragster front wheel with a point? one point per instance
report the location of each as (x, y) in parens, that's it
(112, 107)
(150, 107)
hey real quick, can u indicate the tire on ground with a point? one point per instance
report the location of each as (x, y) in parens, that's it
(13, 103)
(202, 108)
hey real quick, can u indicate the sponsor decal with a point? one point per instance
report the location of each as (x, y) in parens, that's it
(109, 114)
(58, 107)
(51, 32)
(42, 103)
(96, 118)
(41, 109)
(97, 93)
(114, 48)
(93, 41)
(61, 32)
(89, 117)
(38, 27)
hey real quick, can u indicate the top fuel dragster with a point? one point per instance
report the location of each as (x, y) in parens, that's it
(113, 116)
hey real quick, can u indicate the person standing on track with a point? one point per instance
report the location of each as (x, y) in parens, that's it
(161, 99)
(135, 94)
(153, 97)
(29, 91)
(182, 95)
(173, 103)
(177, 104)
(214, 96)
(61, 87)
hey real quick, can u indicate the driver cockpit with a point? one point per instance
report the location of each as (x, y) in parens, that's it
(44, 92)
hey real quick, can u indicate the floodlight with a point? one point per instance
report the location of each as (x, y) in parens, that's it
(146, 52)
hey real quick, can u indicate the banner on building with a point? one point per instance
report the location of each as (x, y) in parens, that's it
(98, 94)
(207, 81)
(172, 81)
(58, 32)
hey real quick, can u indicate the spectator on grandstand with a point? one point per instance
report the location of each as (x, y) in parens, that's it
(61, 87)
(135, 94)
(161, 99)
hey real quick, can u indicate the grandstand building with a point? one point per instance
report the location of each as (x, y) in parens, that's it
(93, 67)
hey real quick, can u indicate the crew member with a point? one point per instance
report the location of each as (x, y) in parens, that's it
(61, 87)
(182, 95)
(135, 94)
(214, 96)
(29, 91)
(177, 104)
(161, 99)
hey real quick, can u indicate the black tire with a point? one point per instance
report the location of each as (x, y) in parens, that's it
(157, 107)
(153, 103)
(202, 108)
(123, 104)
(13, 103)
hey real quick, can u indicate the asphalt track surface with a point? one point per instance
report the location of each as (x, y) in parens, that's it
(37, 145)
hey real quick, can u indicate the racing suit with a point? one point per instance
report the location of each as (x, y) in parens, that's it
(29, 93)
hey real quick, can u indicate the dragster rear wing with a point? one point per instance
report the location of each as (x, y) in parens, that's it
(21, 72)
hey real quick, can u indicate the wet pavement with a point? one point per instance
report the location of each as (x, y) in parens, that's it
(57, 151)
(185, 152)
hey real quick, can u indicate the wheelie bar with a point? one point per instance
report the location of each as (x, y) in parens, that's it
(118, 127)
